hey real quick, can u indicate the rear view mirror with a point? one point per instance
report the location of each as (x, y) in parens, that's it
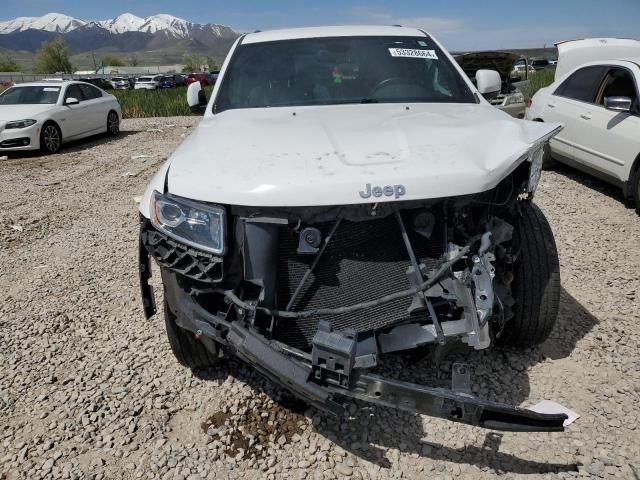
(71, 101)
(618, 104)
(196, 98)
(488, 81)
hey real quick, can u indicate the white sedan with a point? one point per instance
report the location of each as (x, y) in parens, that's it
(598, 103)
(44, 115)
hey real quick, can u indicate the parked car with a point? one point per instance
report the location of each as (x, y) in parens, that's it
(121, 83)
(203, 78)
(598, 104)
(149, 82)
(44, 115)
(510, 98)
(540, 64)
(379, 207)
(166, 81)
(181, 80)
(99, 82)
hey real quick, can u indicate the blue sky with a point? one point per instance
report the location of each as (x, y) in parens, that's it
(461, 24)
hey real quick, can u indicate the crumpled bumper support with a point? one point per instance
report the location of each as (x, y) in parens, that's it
(436, 402)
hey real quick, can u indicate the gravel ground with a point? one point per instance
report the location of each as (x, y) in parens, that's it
(90, 389)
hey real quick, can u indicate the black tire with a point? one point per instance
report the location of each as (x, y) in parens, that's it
(50, 138)
(635, 185)
(188, 351)
(113, 124)
(536, 283)
(548, 163)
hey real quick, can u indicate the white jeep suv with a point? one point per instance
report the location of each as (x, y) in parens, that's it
(349, 194)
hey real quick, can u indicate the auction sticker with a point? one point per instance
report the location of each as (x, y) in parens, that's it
(413, 53)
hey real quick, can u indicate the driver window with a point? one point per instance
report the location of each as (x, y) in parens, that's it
(618, 83)
(73, 91)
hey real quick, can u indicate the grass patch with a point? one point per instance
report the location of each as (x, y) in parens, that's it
(538, 80)
(170, 102)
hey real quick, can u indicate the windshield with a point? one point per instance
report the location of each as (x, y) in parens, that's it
(339, 70)
(145, 79)
(30, 96)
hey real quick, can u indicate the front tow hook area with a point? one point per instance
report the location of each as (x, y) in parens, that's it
(456, 404)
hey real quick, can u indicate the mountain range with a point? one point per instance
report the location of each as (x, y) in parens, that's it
(166, 36)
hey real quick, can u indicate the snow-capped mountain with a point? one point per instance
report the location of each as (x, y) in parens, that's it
(51, 22)
(127, 22)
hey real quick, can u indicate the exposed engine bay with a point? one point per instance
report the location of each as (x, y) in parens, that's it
(314, 297)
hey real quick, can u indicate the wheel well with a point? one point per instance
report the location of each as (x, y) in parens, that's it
(51, 122)
(634, 168)
(112, 110)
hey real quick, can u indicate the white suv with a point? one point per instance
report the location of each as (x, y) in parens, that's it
(350, 194)
(147, 82)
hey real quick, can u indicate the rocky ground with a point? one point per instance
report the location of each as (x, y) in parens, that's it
(90, 389)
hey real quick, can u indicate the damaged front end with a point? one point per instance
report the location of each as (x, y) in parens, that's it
(314, 298)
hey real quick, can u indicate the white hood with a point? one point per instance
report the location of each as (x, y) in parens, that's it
(21, 112)
(327, 155)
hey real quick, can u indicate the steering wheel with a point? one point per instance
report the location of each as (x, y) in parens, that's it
(385, 83)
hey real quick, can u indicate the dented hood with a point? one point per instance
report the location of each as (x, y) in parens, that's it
(327, 155)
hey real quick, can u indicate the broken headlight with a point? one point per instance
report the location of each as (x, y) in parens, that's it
(196, 224)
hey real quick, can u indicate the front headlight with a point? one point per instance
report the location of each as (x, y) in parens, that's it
(196, 224)
(20, 124)
(514, 98)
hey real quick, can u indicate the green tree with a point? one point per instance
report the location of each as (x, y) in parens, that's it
(112, 60)
(53, 57)
(9, 65)
(192, 62)
(133, 60)
(213, 65)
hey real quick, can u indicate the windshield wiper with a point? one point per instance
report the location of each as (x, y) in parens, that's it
(369, 100)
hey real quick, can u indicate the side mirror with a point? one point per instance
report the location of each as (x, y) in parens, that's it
(196, 98)
(488, 81)
(71, 101)
(618, 104)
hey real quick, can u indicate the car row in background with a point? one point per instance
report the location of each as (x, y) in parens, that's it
(596, 96)
(44, 115)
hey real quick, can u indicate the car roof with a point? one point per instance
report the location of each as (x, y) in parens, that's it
(47, 83)
(336, 31)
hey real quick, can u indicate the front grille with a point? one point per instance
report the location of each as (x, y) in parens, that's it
(364, 261)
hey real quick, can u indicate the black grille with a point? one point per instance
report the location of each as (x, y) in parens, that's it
(193, 263)
(364, 261)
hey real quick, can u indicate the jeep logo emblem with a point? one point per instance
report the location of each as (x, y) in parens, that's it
(396, 191)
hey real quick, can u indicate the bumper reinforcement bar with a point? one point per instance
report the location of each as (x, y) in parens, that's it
(457, 404)
(436, 402)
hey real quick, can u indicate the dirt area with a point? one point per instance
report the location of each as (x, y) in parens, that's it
(90, 389)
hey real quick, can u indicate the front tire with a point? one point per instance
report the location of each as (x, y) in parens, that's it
(50, 138)
(113, 124)
(536, 281)
(188, 351)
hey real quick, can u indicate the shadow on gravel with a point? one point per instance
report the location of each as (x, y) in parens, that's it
(500, 375)
(593, 183)
(73, 146)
